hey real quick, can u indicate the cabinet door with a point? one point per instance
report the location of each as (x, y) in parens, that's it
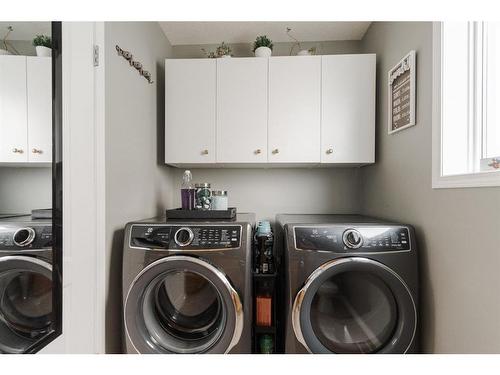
(190, 97)
(348, 109)
(39, 94)
(13, 115)
(294, 109)
(242, 110)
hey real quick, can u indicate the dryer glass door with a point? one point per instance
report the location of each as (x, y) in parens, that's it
(182, 304)
(25, 303)
(354, 305)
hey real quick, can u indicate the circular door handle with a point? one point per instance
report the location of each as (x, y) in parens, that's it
(329, 151)
(276, 151)
(37, 151)
(258, 151)
(17, 151)
(204, 152)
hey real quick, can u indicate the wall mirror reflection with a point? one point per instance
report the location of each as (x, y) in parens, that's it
(30, 180)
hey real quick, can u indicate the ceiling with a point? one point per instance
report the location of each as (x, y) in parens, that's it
(25, 30)
(180, 33)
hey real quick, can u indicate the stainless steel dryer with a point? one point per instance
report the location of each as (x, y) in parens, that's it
(351, 284)
(187, 286)
(26, 317)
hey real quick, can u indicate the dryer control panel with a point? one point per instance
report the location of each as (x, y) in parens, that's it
(189, 237)
(343, 239)
(25, 237)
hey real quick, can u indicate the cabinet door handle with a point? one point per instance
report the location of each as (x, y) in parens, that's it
(329, 151)
(17, 151)
(275, 151)
(258, 151)
(204, 152)
(37, 151)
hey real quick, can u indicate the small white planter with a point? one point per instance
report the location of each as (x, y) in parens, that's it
(43, 51)
(263, 52)
(304, 52)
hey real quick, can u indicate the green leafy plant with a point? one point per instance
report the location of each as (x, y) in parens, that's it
(262, 41)
(42, 41)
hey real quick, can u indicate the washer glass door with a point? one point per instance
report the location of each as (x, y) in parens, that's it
(25, 303)
(354, 305)
(186, 305)
(182, 304)
(353, 312)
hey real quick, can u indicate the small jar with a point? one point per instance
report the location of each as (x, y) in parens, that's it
(203, 196)
(219, 200)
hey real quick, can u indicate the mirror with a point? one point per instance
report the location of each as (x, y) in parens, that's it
(30, 186)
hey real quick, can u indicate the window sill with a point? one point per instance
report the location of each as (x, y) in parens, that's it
(479, 179)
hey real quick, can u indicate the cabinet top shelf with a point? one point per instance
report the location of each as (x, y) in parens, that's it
(227, 59)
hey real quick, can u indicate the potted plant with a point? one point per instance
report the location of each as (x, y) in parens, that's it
(307, 52)
(43, 45)
(223, 50)
(263, 46)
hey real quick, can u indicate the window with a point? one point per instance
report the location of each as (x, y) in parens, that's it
(466, 99)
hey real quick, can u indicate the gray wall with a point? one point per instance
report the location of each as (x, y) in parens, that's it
(279, 49)
(24, 47)
(458, 229)
(137, 181)
(270, 191)
(24, 189)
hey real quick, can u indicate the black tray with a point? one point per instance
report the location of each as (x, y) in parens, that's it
(179, 213)
(45, 213)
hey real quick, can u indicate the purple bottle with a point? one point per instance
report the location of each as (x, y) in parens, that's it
(187, 191)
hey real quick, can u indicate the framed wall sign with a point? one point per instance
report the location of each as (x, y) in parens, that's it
(401, 90)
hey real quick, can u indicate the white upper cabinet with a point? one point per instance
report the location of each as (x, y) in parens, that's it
(190, 106)
(13, 109)
(294, 109)
(300, 110)
(39, 89)
(25, 109)
(348, 109)
(242, 110)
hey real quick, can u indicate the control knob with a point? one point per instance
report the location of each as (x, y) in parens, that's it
(352, 239)
(183, 237)
(24, 236)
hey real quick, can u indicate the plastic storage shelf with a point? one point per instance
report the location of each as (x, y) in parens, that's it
(268, 285)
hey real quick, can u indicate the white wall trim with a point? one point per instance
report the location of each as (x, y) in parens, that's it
(83, 189)
(100, 186)
(480, 179)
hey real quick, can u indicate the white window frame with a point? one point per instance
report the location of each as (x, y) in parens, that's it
(476, 179)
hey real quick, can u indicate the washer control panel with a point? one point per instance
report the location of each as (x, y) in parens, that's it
(29, 237)
(189, 237)
(343, 239)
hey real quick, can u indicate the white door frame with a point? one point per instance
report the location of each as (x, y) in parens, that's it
(83, 192)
